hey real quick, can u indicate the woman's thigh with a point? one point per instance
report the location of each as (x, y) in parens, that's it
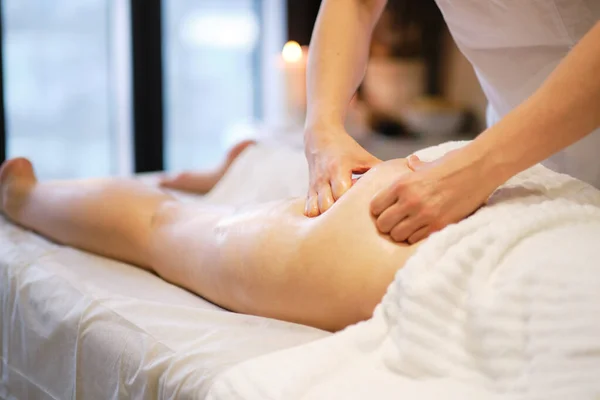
(236, 258)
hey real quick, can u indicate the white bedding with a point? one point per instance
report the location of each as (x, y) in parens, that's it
(504, 304)
(76, 325)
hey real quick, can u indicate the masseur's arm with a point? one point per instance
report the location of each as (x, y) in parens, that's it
(337, 61)
(563, 110)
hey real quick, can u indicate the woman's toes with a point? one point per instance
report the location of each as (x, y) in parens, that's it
(16, 179)
(167, 180)
(194, 182)
(175, 181)
(236, 150)
(17, 169)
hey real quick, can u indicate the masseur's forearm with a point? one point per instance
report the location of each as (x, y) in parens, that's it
(563, 110)
(337, 61)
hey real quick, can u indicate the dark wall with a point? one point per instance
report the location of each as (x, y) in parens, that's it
(301, 19)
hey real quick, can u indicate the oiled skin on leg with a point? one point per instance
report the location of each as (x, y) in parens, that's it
(271, 260)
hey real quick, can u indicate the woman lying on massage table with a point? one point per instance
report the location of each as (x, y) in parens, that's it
(269, 260)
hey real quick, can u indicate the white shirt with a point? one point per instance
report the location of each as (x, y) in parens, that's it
(513, 46)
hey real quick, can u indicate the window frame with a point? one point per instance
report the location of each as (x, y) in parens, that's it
(148, 100)
(2, 105)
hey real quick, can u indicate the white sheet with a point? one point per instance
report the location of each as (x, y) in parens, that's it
(504, 304)
(77, 325)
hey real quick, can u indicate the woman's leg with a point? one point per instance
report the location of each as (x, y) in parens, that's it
(105, 216)
(272, 261)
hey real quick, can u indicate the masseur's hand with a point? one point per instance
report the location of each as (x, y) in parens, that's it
(435, 195)
(332, 157)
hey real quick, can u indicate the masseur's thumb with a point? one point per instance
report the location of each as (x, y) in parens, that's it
(415, 163)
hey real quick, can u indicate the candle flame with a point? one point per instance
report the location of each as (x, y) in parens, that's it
(292, 52)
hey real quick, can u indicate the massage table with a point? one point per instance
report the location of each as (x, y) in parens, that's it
(501, 305)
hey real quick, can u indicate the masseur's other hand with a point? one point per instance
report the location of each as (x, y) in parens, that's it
(332, 157)
(435, 195)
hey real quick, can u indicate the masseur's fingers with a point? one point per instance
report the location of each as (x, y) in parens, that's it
(312, 204)
(332, 156)
(325, 198)
(383, 199)
(390, 217)
(415, 163)
(419, 235)
(340, 184)
(405, 228)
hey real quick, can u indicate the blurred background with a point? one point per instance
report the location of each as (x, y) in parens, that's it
(114, 87)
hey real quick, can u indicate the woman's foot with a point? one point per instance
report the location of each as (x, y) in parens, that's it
(16, 180)
(203, 182)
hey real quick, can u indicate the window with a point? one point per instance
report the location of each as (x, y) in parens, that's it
(58, 86)
(212, 62)
(71, 93)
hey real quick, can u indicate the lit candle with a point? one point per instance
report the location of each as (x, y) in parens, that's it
(294, 70)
